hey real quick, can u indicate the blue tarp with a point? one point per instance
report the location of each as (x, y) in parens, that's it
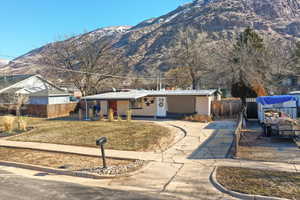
(275, 99)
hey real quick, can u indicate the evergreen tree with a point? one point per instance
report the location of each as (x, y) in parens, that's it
(248, 65)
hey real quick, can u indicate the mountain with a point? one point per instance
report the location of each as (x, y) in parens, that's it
(3, 62)
(145, 42)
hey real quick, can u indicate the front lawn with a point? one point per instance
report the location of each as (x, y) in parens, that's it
(131, 136)
(56, 160)
(260, 182)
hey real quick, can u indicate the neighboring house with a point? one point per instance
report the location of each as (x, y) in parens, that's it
(297, 95)
(39, 93)
(49, 96)
(166, 103)
(291, 83)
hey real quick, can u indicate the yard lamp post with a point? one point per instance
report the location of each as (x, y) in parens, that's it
(100, 142)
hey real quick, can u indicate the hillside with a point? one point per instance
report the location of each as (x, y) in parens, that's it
(145, 42)
(3, 62)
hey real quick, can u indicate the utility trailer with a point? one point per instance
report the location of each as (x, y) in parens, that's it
(278, 116)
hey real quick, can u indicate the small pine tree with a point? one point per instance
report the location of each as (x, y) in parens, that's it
(111, 115)
(129, 116)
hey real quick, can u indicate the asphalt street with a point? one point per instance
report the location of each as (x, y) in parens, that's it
(20, 188)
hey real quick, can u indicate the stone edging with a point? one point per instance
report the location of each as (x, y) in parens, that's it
(216, 184)
(67, 172)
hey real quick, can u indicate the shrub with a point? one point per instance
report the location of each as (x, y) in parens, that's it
(198, 118)
(119, 118)
(111, 115)
(8, 122)
(129, 115)
(22, 124)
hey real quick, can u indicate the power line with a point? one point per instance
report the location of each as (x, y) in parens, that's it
(90, 73)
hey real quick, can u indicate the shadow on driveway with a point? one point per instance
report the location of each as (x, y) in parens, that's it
(218, 145)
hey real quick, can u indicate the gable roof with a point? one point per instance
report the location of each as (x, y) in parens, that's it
(11, 84)
(6, 81)
(49, 93)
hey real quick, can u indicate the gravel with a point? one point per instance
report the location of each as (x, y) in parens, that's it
(116, 169)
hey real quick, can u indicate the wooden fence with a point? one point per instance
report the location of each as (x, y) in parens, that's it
(226, 109)
(237, 133)
(39, 110)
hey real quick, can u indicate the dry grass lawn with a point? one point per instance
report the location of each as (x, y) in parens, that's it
(255, 147)
(55, 160)
(131, 136)
(260, 182)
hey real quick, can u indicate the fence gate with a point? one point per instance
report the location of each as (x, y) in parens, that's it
(252, 108)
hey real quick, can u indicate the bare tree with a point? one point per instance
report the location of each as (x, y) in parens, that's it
(13, 100)
(191, 52)
(178, 77)
(85, 62)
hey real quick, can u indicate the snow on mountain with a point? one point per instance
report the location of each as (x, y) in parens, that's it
(3, 62)
(145, 42)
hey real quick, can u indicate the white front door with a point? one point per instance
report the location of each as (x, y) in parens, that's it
(161, 106)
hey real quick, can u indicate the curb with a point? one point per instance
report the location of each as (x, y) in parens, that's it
(216, 184)
(69, 173)
(183, 135)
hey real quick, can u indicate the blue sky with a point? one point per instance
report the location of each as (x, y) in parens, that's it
(29, 24)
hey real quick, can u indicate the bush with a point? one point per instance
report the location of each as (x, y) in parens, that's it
(198, 118)
(22, 124)
(119, 118)
(129, 115)
(111, 115)
(8, 122)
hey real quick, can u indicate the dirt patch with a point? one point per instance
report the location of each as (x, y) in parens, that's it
(254, 146)
(260, 182)
(130, 136)
(67, 161)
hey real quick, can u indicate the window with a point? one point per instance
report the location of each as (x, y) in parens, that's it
(136, 104)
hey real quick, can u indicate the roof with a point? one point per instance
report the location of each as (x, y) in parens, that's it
(6, 81)
(269, 100)
(136, 94)
(294, 92)
(183, 93)
(49, 92)
(118, 95)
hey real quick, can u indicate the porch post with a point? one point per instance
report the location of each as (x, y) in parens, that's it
(86, 110)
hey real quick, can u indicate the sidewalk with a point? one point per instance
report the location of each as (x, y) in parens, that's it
(149, 156)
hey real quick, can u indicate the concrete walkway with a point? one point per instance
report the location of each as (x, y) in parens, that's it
(181, 172)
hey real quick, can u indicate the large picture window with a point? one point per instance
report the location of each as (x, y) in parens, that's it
(136, 104)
